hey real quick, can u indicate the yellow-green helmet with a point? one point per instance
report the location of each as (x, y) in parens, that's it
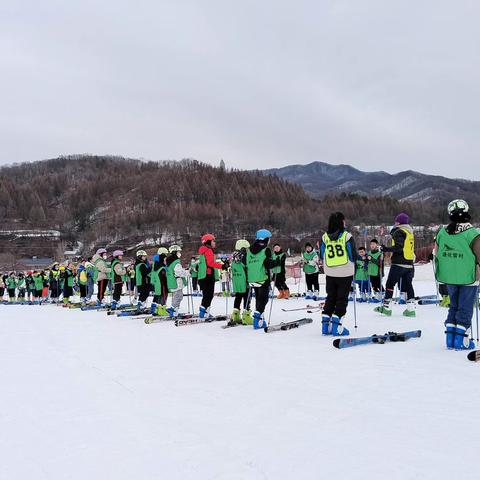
(162, 251)
(242, 244)
(142, 253)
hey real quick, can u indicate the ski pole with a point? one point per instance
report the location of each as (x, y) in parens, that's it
(273, 297)
(435, 278)
(476, 311)
(355, 304)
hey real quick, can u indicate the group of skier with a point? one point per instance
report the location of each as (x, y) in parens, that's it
(253, 267)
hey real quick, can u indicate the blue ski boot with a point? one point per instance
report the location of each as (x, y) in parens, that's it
(202, 312)
(113, 306)
(153, 308)
(462, 340)
(258, 321)
(326, 330)
(309, 295)
(450, 335)
(338, 330)
(172, 312)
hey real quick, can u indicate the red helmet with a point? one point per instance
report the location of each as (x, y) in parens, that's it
(207, 237)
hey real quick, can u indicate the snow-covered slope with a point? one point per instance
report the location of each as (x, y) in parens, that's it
(86, 396)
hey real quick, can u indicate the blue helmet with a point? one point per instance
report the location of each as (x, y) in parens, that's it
(263, 234)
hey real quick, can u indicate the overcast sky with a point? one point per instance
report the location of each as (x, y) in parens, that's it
(378, 84)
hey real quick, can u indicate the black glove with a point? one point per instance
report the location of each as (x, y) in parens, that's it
(225, 265)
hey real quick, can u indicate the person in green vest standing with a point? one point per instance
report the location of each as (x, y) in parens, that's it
(82, 282)
(361, 274)
(259, 264)
(55, 282)
(457, 259)
(119, 276)
(142, 278)
(375, 270)
(22, 286)
(241, 288)
(158, 279)
(38, 284)
(11, 283)
(339, 255)
(69, 277)
(279, 273)
(194, 274)
(311, 268)
(102, 273)
(176, 278)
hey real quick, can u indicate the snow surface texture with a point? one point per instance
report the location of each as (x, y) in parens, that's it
(90, 396)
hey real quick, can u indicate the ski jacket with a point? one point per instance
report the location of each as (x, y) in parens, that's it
(402, 246)
(348, 268)
(102, 267)
(209, 256)
(176, 273)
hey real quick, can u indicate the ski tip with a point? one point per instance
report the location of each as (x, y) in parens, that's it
(336, 343)
(265, 329)
(474, 356)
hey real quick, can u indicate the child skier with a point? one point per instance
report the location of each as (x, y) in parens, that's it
(176, 278)
(240, 284)
(311, 269)
(361, 274)
(54, 283)
(158, 279)
(339, 254)
(208, 272)
(69, 278)
(2, 287)
(142, 278)
(11, 286)
(375, 270)
(22, 286)
(82, 282)
(401, 270)
(457, 262)
(279, 273)
(194, 274)
(118, 277)
(102, 273)
(259, 263)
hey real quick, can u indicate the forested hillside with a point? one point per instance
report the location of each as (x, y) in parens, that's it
(110, 199)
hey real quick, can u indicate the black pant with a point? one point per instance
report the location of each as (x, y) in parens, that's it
(442, 289)
(102, 286)
(261, 296)
(376, 283)
(338, 289)
(194, 284)
(246, 300)
(117, 291)
(2, 291)
(11, 292)
(143, 292)
(39, 293)
(67, 291)
(280, 281)
(404, 277)
(207, 285)
(54, 289)
(312, 281)
(83, 290)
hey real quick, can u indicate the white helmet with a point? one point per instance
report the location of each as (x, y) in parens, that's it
(175, 248)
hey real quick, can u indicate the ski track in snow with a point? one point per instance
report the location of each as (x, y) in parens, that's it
(90, 396)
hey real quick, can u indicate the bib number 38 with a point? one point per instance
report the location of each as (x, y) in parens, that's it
(335, 251)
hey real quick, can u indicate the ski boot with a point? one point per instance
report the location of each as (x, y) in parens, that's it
(286, 294)
(99, 303)
(258, 321)
(236, 317)
(140, 306)
(281, 294)
(153, 308)
(384, 310)
(172, 312)
(113, 306)
(247, 317)
(161, 311)
(202, 312)
(309, 295)
(462, 341)
(326, 329)
(316, 296)
(338, 330)
(450, 330)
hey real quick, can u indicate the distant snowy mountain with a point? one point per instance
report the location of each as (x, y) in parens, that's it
(319, 179)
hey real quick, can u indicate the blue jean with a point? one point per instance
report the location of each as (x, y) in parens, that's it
(462, 303)
(363, 285)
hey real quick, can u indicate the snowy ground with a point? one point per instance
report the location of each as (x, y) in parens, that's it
(86, 396)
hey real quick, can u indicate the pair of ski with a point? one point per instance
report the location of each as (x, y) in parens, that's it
(308, 308)
(380, 339)
(287, 325)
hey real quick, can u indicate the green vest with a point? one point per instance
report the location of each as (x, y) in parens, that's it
(171, 278)
(374, 269)
(360, 272)
(336, 253)
(115, 262)
(138, 274)
(22, 283)
(255, 266)
(155, 280)
(278, 269)
(38, 282)
(239, 277)
(11, 283)
(193, 269)
(308, 257)
(69, 277)
(202, 268)
(456, 263)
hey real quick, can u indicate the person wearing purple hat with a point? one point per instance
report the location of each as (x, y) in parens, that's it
(401, 269)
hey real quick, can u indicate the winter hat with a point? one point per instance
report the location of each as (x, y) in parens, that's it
(402, 219)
